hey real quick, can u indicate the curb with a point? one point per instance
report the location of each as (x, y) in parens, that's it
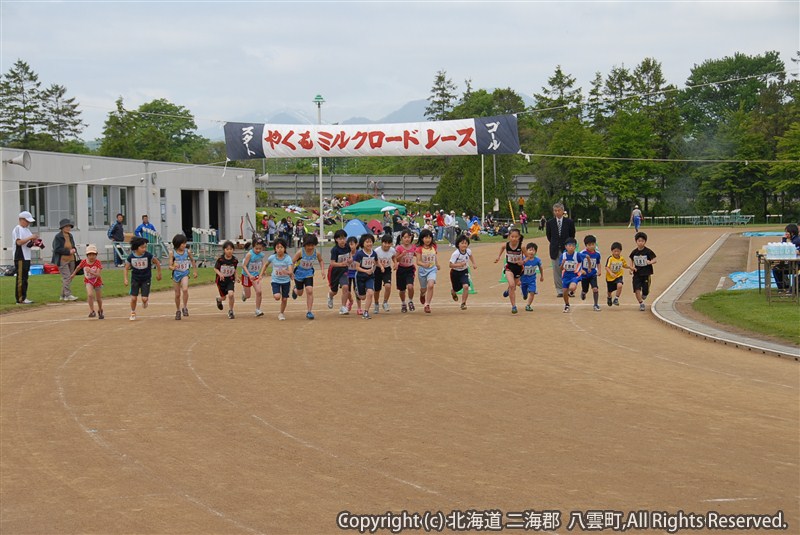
(664, 309)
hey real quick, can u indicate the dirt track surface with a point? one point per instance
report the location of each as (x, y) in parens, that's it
(257, 426)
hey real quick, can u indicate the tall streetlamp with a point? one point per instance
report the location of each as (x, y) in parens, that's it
(318, 100)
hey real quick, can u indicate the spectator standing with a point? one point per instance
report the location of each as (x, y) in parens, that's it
(146, 224)
(64, 257)
(523, 221)
(23, 241)
(636, 218)
(397, 225)
(272, 229)
(118, 236)
(521, 203)
(439, 225)
(542, 222)
(558, 230)
(449, 226)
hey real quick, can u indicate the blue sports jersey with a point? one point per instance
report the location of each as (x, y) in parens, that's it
(589, 262)
(305, 268)
(366, 261)
(569, 263)
(281, 268)
(254, 266)
(182, 264)
(529, 270)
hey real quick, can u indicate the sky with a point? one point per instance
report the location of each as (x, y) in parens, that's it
(247, 61)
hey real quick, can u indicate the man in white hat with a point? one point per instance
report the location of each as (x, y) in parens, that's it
(23, 241)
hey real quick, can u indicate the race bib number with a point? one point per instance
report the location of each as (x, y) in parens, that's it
(343, 258)
(589, 263)
(282, 271)
(429, 258)
(640, 260)
(139, 263)
(407, 259)
(227, 271)
(513, 258)
(384, 262)
(367, 262)
(570, 265)
(351, 265)
(182, 265)
(254, 267)
(615, 268)
(530, 270)
(306, 263)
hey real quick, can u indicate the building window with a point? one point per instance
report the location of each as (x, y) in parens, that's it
(48, 203)
(105, 202)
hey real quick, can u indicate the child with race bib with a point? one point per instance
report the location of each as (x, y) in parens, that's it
(140, 264)
(428, 264)
(459, 272)
(180, 260)
(252, 269)
(225, 268)
(570, 263)
(406, 258)
(91, 279)
(527, 282)
(383, 276)
(365, 260)
(304, 272)
(281, 274)
(514, 261)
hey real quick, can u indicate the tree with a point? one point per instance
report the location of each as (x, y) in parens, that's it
(560, 100)
(20, 105)
(118, 139)
(442, 97)
(61, 116)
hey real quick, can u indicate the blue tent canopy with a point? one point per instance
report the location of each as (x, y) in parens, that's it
(356, 227)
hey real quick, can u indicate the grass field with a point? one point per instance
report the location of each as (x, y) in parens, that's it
(46, 288)
(747, 309)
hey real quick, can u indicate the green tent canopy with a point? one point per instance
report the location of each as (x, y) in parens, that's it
(371, 206)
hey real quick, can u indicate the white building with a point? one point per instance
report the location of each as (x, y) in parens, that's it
(91, 190)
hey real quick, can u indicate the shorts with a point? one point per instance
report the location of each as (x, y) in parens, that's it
(566, 280)
(363, 284)
(612, 285)
(641, 283)
(586, 282)
(138, 287)
(516, 269)
(96, 282)
(426, 275)
(528, 287)
(302, 283)
(281, 288)
(404, 277)
(247, 282)
(225, 285)
(178, 276)
(337, 277)
(383, 278)
(459, 279)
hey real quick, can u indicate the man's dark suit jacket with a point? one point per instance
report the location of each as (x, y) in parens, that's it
(557, 240)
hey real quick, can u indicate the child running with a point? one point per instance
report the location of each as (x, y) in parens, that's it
(225, 268)
(570, 271)
(428, 263)
(91, 279)
(304, 272)
(180, 260)
(140, 264)
(252, 269)
(405, 257)
(386, 262)
(365, 260)
(459, 274)
(513, 269)
(281, 274)
(590, 259)
(337, 276)
(642, 259)
(527, 281)
(615, 266)
(352, 243)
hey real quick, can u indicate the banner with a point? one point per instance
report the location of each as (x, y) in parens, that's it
(486, 135)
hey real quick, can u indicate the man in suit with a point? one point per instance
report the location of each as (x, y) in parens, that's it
(558, 230)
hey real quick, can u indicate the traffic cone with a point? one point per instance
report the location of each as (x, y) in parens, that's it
(503, 277)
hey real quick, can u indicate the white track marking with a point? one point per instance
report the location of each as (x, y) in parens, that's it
(721, 283)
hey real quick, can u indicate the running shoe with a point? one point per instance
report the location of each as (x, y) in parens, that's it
(231, 315)
(343, 311)
(583, 296)
(70, 298)
(330, 302)
(244, 296)
(514, 310)
(219, 303)
(185, 311)
(359, 311)
(572, 294)
(463, 306)
(100, 315)
(596, 308)
(616, 301)
(310, 315)
(566, 309)
(642, 307)
(259, 313)
(133, 316)
(92, 314)
(505, 293)
(411, 307)
(294, 293)
(403, 308)
(177, 314)
(281, 317)
(609, 302)
(386, 306)
(454, 295)
(366, 315)
(427, 309)
(377, 308)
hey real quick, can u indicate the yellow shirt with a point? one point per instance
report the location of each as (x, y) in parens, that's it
(616, 267)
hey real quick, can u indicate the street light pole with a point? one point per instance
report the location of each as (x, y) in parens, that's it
(318, 100)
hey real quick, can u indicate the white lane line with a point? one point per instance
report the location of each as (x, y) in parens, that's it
(721, 283)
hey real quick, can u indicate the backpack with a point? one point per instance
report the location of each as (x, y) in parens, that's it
(110, 231)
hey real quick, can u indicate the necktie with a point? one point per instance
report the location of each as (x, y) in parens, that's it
(559, 226)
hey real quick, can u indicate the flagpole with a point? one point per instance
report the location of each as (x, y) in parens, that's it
(483, 197)
(318, 100)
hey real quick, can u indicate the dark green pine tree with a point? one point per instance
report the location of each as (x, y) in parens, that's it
(20, 105)
(443, 98)
(61, 116)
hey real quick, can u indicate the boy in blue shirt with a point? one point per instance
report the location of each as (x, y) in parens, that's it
(570, 263)
(590, 259)
(140, 264)
(527, 281)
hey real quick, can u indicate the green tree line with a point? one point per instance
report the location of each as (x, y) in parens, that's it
(728, 139)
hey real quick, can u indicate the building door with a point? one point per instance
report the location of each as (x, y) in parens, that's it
(190, 211)
(216, 211)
